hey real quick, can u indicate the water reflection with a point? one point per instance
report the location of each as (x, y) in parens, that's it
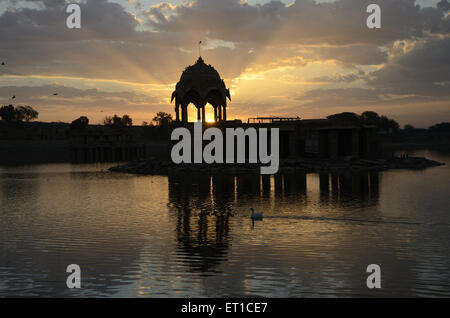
(191, 235)
(51, 220)
(202, 218)
(203, 205)
(217, 193)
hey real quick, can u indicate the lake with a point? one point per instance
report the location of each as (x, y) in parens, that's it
(191, 235)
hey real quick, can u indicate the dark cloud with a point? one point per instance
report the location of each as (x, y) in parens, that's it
(112, 43)
(340, 97)
(338, 78)
(422, 70)
(304, 22)
(101, 20)
(444, 5)
(417, 72)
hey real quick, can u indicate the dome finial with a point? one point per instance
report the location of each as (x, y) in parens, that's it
(199, 49)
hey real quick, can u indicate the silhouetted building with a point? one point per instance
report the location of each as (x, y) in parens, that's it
(57, 142)
(201, 84)
(325, 138)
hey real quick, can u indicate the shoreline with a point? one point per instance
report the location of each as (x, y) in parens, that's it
(158, 167)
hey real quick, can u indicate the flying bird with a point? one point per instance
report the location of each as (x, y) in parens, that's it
(14, 97)
(55, 94)
(3, 63)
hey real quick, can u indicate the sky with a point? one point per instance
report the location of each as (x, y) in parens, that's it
(279, 58)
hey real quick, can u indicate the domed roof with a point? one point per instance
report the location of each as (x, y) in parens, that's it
(201, 83)
(200, 69)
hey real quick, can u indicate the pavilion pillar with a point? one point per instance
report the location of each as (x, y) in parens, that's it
(224, 113)
(198, 114)
(203, 114)
(177, 111)
(215, 114)
(220, 113)
(184, 114)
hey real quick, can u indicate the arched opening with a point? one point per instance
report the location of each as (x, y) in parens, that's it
(192, 112)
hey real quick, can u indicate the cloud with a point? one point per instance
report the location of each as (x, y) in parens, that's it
(342, 22)
(153, 44)
(423, 70)
(113, 43)
(416, 77)
(351, 55)
(338, 78)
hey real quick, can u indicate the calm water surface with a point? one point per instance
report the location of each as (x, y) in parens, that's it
(190, 235)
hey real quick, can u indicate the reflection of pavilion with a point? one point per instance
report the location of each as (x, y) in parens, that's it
(204, 204)
(203, 212)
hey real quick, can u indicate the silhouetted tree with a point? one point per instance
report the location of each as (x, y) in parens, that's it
(370, 117)
(19, 113)
(117, 121)
(8, 113)
(388, 125)
(126, 121)
(345, 116)
(108, 121)
(408, 127)
(162, 118)
(26, 113)
(442, 127)
(80, 123)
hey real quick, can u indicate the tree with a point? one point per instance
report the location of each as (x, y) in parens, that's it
(26, 113)
(116, 121)
(19, 113)
(80, 123)
(112, 121)
(126, 121)
(8, 113)
(162, 118)
(408, 127)
(107, 121)
(345, 116)
(370, 117)
(388, 125)
(442, 127)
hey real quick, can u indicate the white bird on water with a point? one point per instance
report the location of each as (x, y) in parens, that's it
(256, 215)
